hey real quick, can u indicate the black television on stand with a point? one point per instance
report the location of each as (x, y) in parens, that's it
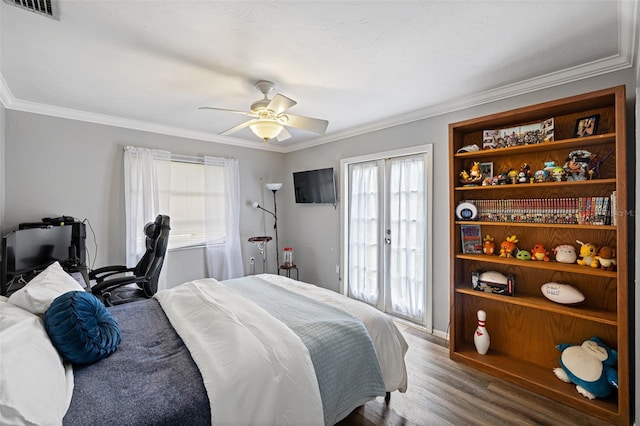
(315, 186)
(34, 246)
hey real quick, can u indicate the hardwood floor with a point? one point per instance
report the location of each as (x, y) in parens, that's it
(443, 392)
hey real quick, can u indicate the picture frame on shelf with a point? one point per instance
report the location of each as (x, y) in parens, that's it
(486, 169)
(586, 126)
(526, 134)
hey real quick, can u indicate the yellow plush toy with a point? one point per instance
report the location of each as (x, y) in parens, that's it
(587, 255)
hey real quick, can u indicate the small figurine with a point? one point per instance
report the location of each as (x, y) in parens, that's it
(475, 171)
(508, 247)
(489, 181)
(524, 175)
(472, 177)
(502, 179)
(606, 258)
(523, 255)
(489, 245)
(587, 254)
(557, 173)
(577, 165)
(565, 253)
(513, 176)
(549, 166)
(538, 252)
(540, 176)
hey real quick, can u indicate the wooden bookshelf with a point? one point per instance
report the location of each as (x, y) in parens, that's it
(526, 327)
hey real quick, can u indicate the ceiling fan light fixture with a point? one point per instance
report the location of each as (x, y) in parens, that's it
(266, 129)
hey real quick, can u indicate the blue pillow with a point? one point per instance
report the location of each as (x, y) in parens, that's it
(81, 328)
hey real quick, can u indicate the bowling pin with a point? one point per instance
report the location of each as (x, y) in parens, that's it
(481, 335)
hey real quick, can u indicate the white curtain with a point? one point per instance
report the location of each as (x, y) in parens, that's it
(407, 224)
(223, 256)
(147, 172)
(364, 232)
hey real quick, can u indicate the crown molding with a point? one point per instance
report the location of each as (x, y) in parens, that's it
(55, 111)
(627, 31)
(627, 45)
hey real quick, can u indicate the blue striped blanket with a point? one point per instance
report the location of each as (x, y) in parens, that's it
(341, 350)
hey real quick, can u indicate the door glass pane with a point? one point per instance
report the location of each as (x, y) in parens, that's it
(364, 224)
(407, 224)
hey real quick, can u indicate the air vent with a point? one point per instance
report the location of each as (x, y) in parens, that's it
(41, 7)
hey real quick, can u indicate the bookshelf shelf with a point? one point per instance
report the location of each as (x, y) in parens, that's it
(538, 186)
(536, 302)
(572, 268)
(538, 225)
(565, 144)
(525, 328)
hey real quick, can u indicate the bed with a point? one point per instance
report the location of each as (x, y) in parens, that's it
(261, 349)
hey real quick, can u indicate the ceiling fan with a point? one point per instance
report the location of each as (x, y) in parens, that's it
(269, 117)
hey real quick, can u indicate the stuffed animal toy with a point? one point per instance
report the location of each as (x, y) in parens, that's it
(565, 253)
(606, 258)
(587, 254)
(538, 252)
(489, 245)
(523, 255)
(590, 367)
(508, 247)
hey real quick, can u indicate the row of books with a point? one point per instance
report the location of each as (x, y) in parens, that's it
(570, 210)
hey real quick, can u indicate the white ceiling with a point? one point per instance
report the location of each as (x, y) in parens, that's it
(364, 65)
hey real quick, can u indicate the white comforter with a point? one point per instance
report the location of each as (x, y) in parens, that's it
(388, 342)
(255, 369)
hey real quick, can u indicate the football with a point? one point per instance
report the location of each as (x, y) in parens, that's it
(562, 293)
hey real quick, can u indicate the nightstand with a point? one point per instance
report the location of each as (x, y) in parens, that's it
(288, 269)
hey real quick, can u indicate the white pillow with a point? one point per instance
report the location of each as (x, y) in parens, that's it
(38, 294)
(35, 386)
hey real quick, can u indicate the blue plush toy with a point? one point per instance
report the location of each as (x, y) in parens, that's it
(590, 367)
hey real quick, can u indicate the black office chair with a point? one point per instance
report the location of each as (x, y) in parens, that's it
(114, 290)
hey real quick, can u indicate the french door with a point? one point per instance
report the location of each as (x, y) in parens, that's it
(387, 232)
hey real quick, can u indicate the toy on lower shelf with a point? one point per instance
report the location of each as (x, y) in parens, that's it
(590, 367)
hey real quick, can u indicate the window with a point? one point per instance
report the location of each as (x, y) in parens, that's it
(200, 195)
(187, 198)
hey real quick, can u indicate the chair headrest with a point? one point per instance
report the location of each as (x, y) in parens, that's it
(149, 229)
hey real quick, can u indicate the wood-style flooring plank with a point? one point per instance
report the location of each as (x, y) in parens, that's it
(442, 392)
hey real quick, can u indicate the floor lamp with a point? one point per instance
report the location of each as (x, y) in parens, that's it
(274, 187)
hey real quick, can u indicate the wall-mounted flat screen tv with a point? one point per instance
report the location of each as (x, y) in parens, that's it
(315, 186)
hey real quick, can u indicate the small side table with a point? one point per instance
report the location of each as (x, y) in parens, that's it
(288, 269)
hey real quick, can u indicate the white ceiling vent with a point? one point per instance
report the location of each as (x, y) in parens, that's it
(41, 7)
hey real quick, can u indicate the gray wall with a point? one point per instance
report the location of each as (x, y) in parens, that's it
(57, 166)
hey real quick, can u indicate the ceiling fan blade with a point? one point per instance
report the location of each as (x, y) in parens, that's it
(236, 128)
(283, 135)
(249, 113)
(307, 123)
(280, 103)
